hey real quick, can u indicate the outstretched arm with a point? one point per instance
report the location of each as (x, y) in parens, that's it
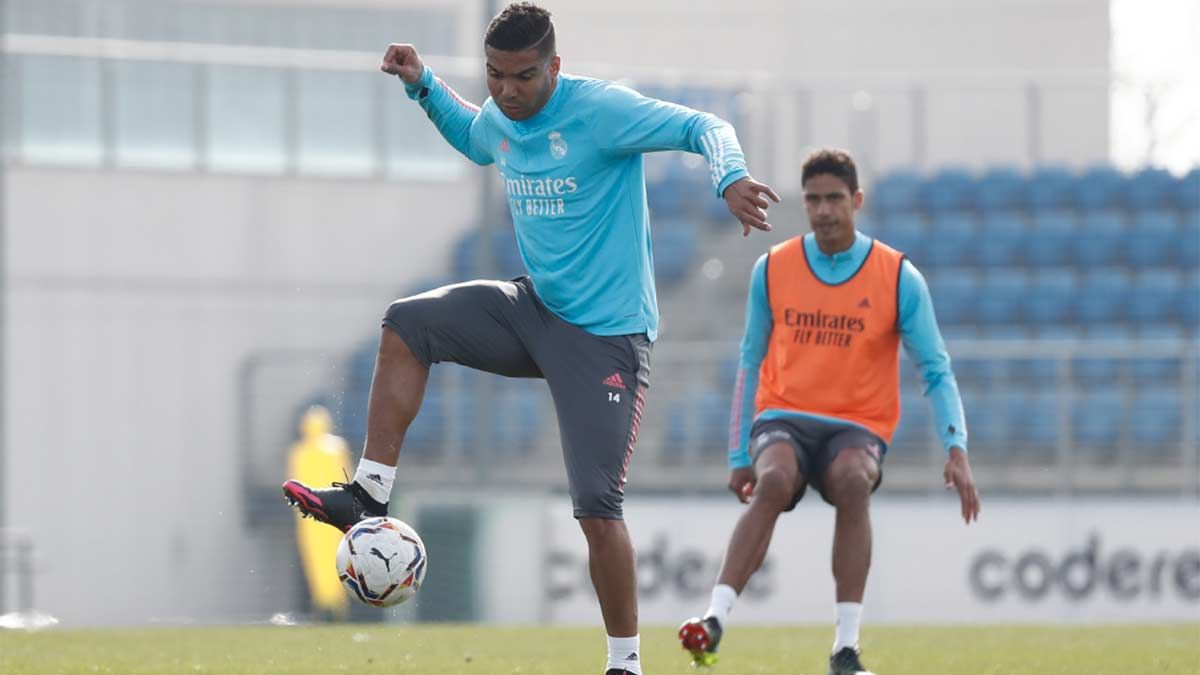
(455, 118)
(627, 122)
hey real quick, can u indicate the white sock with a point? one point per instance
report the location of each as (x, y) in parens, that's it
(376, 479)
(849, 616)
(723, 597)
(625, 653)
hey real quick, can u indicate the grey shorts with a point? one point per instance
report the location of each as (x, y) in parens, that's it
(598, 383)
(816, 443)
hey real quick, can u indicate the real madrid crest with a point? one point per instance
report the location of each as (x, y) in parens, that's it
(558, 146)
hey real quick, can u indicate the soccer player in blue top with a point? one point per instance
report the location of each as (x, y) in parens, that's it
(570, 152)
(819, 378)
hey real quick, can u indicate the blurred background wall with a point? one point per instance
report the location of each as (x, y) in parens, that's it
(209, 204)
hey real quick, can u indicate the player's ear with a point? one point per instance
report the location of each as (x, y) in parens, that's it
(858, 199)
(555, 65)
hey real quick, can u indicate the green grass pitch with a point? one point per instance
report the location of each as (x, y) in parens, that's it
(485, 650)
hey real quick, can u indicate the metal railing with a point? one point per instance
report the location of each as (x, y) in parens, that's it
(684, 435)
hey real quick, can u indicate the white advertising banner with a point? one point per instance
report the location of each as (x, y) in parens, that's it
(1027, 560)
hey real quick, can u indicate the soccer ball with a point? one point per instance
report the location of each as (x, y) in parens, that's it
(381, 561)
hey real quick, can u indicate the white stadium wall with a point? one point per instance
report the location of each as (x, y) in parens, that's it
(1117, 560)
(134, 301)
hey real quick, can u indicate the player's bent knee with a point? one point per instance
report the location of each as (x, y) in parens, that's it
(776, 486)
(406, 319)
(852, 476)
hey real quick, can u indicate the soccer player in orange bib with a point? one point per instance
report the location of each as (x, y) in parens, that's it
(820, 378)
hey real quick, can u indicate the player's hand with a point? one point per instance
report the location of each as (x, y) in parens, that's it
(746, 202)
(741, 483)
(958, 476)
(403, 60)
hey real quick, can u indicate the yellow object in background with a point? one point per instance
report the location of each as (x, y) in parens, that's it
(320, 458)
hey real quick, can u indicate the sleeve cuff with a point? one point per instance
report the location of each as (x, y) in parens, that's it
(730, 179)
(423, 83)
(956, 443)
(740, 459)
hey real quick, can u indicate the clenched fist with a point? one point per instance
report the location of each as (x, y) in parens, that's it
(403, 60)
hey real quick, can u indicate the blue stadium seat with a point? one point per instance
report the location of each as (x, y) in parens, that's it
(914, 433)
(1153, 369)
(665, 198)
(1101, 371)
(1103, 296)
(950, 189)
(1156, 420)
(1153, 240)
(1187, 253)
(698, 423)
(987, 419)
(1101, 239)
(1033, 417)
(1035, 370)
(978, 371)
(506, 254)
(1059, 332)
(1096, 419)
(1002, 239)
(1099, 188)
(1052, 238)
(1050, 188)
(1189, 304)
(727, 374)
(1156, 296)
(899, 191)
(1000, 188)
(516, 419)
(1186, 192)
(1051, 298)
(1149, 189)
(952, 240)
(674, 250)
(954, 294)
(1005, 331)
(1000, 297)
(426, 436)
(906, 232)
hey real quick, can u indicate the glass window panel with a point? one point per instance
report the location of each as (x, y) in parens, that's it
(414, 146)
(59, 110)
(336, 129)
(247, 130)
(155, 114)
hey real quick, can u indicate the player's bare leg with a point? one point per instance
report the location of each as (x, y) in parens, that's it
(848, 483)
(778, 479)
(613, 570)
(397, 388)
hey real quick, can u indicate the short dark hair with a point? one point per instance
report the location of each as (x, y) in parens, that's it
(837, 163)
(521, 26)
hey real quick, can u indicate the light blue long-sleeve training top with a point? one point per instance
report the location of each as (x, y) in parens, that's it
(918, 333)
(576, 187)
